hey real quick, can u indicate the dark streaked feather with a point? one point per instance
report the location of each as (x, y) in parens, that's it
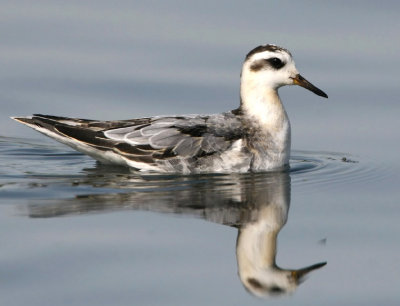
(88, 136)
(150, 140)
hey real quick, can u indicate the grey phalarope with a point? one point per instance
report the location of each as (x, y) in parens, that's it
(253, 137)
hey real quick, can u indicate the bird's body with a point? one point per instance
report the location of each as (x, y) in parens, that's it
(253, 137)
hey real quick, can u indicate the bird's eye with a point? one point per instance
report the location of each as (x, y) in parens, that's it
(275, 62)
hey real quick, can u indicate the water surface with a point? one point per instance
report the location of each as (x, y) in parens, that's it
(99, 234)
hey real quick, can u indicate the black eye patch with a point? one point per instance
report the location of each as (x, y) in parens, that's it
(275, 62)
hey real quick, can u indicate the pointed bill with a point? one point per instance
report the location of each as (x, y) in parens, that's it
(298, 275)
(299, 80)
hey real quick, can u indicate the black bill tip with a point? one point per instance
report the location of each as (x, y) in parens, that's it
(299, 80)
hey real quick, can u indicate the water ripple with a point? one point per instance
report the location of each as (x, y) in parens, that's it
(331, 168)
(34, 164)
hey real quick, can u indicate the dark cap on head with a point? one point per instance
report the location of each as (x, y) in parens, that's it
(262, 48)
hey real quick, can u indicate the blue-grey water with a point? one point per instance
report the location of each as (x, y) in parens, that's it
(74, 232)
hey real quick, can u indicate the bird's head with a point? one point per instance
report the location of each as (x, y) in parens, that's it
(272, 66)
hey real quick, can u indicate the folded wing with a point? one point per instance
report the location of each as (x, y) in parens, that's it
(149, 141)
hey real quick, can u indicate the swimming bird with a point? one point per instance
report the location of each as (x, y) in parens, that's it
(254, 137)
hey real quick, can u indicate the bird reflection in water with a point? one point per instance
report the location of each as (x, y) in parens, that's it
(256, 204)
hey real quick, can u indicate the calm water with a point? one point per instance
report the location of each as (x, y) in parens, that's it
(88, 233)
(74, 232)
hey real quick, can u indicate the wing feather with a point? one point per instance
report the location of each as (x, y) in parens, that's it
(174, 141)
(122, 133)
(180, 137)
(166, 138)
(188, 147)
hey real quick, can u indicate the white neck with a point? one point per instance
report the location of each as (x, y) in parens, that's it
(263, 104)
(263, 109)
